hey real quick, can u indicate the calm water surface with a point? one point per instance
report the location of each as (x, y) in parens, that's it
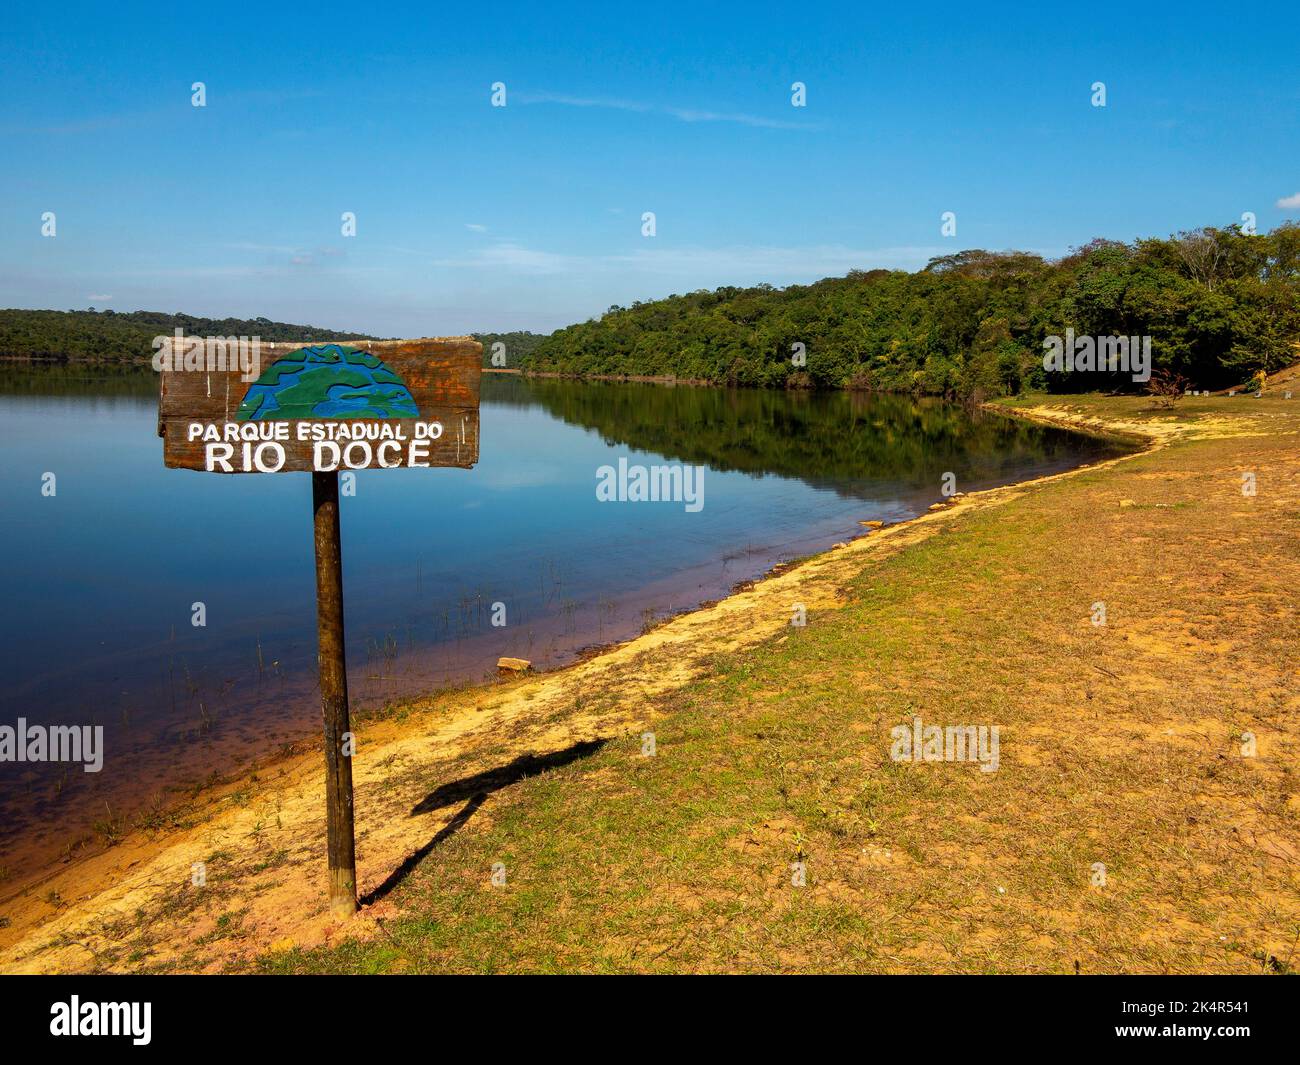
(99, 581)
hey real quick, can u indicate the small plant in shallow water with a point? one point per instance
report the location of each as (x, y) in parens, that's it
(111, 827)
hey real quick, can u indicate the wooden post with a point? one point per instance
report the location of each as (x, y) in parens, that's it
(423, 391)
(334, 693)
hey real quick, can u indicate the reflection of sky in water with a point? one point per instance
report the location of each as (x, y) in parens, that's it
(99, 578)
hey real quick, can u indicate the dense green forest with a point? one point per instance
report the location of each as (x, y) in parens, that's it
(127, 337)
(1220, 305)
(516, 347)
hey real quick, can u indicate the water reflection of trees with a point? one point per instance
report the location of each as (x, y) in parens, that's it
(24, 378)
(848, 441)
(852, 442)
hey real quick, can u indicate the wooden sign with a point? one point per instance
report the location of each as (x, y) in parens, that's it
(242, 407)
(226, 405)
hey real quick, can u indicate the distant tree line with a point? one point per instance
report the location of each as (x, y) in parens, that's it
(127, 337)
(515, 347)
(111, 336)
(1220, 305)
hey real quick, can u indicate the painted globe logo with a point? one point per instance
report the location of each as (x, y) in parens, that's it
(327, 381)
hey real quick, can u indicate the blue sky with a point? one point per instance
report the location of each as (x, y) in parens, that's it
(471, 217)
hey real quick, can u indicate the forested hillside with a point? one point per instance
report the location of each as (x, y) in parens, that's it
(1219, 305)
(516, 346)
(110, 336)
(127, 337)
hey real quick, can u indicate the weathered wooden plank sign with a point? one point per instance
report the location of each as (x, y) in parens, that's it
(278, 408)
(274, 408)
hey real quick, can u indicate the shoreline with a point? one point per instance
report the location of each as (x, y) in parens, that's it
(469, 662)
(157, 764)
(90, 880)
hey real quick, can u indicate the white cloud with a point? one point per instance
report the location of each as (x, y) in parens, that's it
(475, 227)
(294, 256)
(266, 249)
(1289, 201)
(689, 115)
(99, 299)
(512, 257)
(733, 264)
(683, 114)
(773, 262)
(581, 101)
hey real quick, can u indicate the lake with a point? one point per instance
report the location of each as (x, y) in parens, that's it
(100, 579)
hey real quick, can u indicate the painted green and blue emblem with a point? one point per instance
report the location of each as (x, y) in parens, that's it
(327, 381)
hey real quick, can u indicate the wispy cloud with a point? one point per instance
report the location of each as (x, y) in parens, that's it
(689, 115)
(723, 263)
(102, 298)
(293, 254)
(515, 258)
(1287, 202)
(683, 114)
(581, 101)
(265, 249)
(475, 227)
(811, 261)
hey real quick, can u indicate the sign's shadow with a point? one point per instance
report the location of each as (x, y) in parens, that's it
(473, 791)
